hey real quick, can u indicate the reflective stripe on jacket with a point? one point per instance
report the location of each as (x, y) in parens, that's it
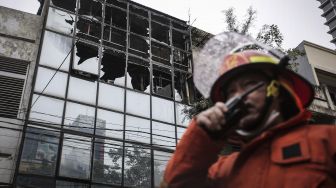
(289, 155)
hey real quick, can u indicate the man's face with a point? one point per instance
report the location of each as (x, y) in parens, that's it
(253, 103)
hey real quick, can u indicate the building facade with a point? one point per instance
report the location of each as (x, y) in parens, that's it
(329, 13)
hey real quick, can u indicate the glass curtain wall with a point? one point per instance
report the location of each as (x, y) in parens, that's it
(107, 111)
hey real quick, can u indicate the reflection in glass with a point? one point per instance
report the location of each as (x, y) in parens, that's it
(55, 49)
(162, 81)
(60, 21)
(114, 124)
(137, 129)
(180, 132)
(57, 84)
(79, 117)
(163, 109)
(111, 97)
(82, 90)
(76, 155)
(42, 111)
(137, 104)
(181, 117)
(86, 58)
(66, 4)
(107, 164)
(137, 166)
(163, 135)
(138, 74)
(115, 17)
(113, 67)
(68, 184)
(160, 162)
(39, 152)
(23, 181)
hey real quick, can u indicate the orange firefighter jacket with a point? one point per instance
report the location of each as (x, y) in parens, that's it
(289, 155)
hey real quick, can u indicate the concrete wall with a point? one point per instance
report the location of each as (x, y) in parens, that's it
(19, 39)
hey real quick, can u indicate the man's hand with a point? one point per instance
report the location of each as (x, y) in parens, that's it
(213, 119)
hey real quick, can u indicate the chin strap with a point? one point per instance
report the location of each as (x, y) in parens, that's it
(267, 116)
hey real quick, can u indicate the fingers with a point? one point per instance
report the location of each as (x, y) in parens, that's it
(213, 118)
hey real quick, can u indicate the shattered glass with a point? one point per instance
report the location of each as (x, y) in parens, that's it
(183, 87)
(138, 74)
(86, 58)
(113, 67)
(60, 21)
(162, 81)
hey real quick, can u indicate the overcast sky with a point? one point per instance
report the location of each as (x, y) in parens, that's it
(297, 19)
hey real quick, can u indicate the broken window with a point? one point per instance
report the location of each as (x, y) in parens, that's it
(86, 58)
(160, 32)
(114, 38)
(115, 17)
(139, 46)
(139, 25)
(160, 53)
(88, 29)
(181, 40)
(66, 4)
(162, 81)
(60, 21)
(113, 67)
(183, 87)
(138, 74)
(137, 10)
(117, 3)
(91, 9)
(181, 26)
(160, 19)
(181, 60)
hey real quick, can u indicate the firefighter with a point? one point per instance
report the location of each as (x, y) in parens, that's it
(279, 148)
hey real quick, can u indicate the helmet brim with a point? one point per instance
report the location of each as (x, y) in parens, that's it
(302, 88)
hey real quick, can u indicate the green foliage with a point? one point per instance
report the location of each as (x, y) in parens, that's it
(234, 25)
(197, 107)
(270, 35)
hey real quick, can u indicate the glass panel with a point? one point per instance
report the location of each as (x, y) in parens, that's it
(180, 132)
(68, 184)
(181, 40)
(137, 166)
(91, 9)
(138, 74)
(139, 46)
(114, 38)
(82, 90)
(107, 164)
(111, 97)
(24, 181)
(86, 58)
(76, 155)
(160, 32)
(57, 83)
(181, 117)
(115, 17)
(139, 25)
(66, 4)
(60, 21)
(39, 152)
(55, 49)
(162, 81)
(160, 162)
(163, 135)
(88, 29)
(137, 104)
(183, 87)
(113, 67)
(161, 53)
(42, 111)
(79, 117)
(163, 110)
(137, 129)
(110, 124)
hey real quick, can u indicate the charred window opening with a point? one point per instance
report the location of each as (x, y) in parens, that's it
(139, 25)
(117, 3)
(113, 67)
(114, 38)
(138, 10)
(181, 59)
(115, 17)
(180, 26)
(86, 59)
(138, 71)
(91, 9)
(162, 81)
(161, 53)
(139, 46)
(65, 4)
(183, 87)
(181, 40)
(160, 32)
(88, 29)
(160, 19)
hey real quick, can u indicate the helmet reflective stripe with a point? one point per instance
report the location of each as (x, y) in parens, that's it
(262, 59)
